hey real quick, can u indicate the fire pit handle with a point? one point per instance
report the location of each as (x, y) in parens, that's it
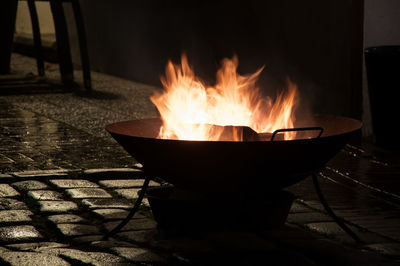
(320, 129)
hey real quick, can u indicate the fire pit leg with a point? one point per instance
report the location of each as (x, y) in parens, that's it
(331, 213)
(133, 211)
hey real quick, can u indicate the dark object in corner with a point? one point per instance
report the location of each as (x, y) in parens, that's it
(383, 69)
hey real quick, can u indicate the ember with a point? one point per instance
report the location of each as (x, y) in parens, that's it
(190, 109)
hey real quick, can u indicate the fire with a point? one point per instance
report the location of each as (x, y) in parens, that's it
(192, 110)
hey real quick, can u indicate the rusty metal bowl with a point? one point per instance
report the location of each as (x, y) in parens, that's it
(213, 167)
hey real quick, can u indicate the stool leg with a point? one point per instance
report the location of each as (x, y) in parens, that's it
(82, 44)
(63, 48)
(36, 37)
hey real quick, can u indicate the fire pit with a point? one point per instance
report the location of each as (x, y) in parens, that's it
(241, 170)
(224, 143)
(214, 167)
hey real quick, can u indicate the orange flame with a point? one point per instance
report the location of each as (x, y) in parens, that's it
(190, 109)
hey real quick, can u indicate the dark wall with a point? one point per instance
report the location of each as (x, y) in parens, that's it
(382, 20)
(317, 44)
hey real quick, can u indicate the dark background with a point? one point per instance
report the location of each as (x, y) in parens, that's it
(317, 44)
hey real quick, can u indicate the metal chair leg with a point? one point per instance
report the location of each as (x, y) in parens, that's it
(36, 37)
(82, 44)
(8, 12)
(132, 212)
(331, 213)
(62, 39)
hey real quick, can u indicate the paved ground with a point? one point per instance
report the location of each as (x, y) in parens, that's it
(56, 202)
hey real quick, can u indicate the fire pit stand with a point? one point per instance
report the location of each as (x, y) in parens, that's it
(322, 199)
(337, 219)
(134, 209)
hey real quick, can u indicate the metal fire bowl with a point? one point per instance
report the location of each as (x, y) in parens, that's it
(219, 167)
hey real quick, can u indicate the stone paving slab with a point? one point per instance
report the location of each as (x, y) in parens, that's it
(41, 173)
(73, 183)
(138, 254)
(29, 185)
(390, 249)
(36, 246)
(57, 206)
(139, 236)
(318, 250)
(66, 218)
(19, 233)
(7, 191)
(333, 230)
(116, 214)
(12, 204)
(110, 243)
(5, 176)
(126, 183)
(87, 239)
(129, 193)
(77, 229)
(32, 258)
(45, 195)
(92, 258)
(134, 224)
(85, 193)
(299, 208)
(7, 216)
(112, 213)
(117, 172)
(108, 203)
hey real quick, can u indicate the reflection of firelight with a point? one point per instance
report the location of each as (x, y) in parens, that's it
(189, 108)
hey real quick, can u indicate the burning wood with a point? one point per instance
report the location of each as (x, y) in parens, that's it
(242, 133)
(190, 109)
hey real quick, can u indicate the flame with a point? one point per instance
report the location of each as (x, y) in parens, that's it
(190, 110)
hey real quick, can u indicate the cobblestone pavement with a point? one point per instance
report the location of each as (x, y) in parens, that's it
(54, 129)
(58, 217)
(64, 183)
